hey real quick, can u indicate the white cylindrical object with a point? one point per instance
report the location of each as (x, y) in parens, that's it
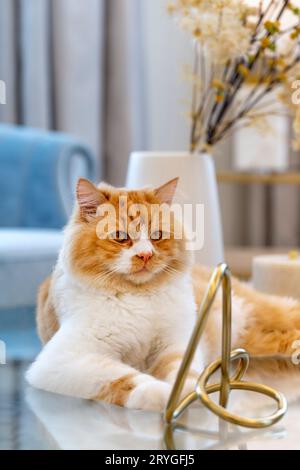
(277, 275)
(263, 149)
(197, 185)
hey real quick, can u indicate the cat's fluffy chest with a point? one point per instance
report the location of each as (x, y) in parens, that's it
(131, 323)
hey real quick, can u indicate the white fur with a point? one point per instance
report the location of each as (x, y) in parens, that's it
(104, 337)
(141, 245)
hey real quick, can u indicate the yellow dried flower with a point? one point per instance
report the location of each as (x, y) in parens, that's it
(197, 33)
(243, 70)
(278, 61)
(281, 77)
(219, 97)
(171, 8)
(294, 9)
(219, 25)
(272, 27)
(206, 148)
(265, 42)
(296, 33)
(218, 84)
(253, 79)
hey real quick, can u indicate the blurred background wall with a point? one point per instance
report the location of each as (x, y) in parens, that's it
(112, 73)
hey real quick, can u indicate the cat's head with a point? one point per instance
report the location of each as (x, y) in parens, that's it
(125, 240)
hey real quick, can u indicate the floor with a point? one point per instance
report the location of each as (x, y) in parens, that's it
(31, 419)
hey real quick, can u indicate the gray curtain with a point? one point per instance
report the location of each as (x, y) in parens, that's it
(68, 65)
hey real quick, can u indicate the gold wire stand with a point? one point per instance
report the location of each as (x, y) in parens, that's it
(175, 407)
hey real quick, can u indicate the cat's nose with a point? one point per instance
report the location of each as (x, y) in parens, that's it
(145, 256)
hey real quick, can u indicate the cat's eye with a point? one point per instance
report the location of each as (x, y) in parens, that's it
(158, 235)
(120, 237)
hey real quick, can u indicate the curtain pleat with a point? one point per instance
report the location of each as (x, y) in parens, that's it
(119, 102)
(34, 47)
(9, 60)
(52, 60)
(78, 35)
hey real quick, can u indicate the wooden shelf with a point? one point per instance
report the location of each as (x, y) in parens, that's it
(259, 178)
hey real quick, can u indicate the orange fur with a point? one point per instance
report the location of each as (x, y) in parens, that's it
(272, 326)
(116, 392)
(167, 364)
(91, 255)
(47, 320)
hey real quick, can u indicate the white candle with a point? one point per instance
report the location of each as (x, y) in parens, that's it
(277, 274)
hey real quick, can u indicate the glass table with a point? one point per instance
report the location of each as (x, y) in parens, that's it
(32, 419)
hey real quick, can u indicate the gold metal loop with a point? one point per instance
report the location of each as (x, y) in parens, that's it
(175, 407)
(203, 391)
(238, 354)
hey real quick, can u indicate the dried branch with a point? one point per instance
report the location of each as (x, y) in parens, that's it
(219, 107)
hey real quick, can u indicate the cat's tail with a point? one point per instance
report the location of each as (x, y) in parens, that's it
(271, 333)
(268, 327)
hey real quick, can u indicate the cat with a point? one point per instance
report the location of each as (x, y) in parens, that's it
(118, 311)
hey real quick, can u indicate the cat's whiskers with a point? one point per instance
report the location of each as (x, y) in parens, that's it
(171, 270)
(106, 275)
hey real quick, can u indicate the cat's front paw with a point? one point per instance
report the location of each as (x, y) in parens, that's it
(150, 396)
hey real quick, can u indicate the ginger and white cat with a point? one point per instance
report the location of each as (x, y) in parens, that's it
(117, 313)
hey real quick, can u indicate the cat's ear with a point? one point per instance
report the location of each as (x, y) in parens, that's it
(166, 192)
(89, 198)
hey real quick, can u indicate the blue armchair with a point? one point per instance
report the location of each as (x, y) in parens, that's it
(38, 173)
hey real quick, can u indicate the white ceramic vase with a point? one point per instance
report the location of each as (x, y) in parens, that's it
(197, 187)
